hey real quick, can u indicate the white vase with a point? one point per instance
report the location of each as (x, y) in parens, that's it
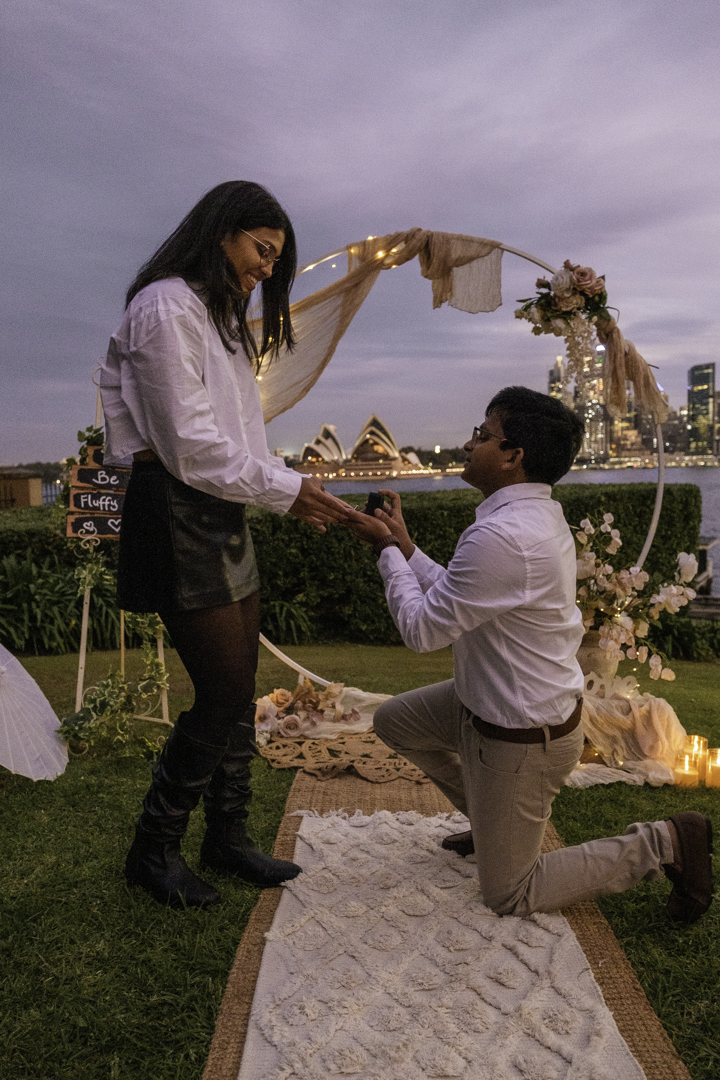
(591, 657)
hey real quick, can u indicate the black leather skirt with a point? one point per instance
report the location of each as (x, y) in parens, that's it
(181, 549)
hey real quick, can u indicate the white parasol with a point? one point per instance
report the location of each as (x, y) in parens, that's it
(29, 741)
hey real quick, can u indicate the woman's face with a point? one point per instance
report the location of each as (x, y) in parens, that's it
(252, 254)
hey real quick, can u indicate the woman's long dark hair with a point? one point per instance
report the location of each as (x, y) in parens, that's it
(193, 252)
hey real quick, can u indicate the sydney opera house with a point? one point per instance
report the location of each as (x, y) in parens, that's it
(375, 454)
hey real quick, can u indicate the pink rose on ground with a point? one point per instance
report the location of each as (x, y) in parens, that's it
(313, 717)
(291, 727)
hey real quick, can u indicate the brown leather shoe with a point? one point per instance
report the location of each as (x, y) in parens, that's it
(462, 842)
(693, 885)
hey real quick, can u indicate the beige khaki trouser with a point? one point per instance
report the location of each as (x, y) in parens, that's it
(507, 790)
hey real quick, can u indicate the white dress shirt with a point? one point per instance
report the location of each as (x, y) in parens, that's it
(169, 385)
(506, 603)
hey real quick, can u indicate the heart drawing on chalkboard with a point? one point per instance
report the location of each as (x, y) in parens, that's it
(114, 524)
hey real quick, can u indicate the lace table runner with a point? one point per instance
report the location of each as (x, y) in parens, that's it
(383, 962)
(326, 758)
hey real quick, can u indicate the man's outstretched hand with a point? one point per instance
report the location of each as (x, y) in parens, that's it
(388, 522)
(316, 507)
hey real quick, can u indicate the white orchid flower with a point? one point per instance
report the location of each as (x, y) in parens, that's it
(688, 566)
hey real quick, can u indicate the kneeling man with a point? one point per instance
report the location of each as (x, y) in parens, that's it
(502, 736)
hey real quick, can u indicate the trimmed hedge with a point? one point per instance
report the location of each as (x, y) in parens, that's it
(327, 587)
(333, 580)
(40, 531)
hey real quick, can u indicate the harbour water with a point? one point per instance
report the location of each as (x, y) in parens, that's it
(706, 478)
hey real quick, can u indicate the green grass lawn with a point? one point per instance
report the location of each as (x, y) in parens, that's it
(100, 983)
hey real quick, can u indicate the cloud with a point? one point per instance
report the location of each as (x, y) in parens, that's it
(563, 129)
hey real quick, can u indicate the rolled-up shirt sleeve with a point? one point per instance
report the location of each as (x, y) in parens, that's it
(486, 577)
(163, 387)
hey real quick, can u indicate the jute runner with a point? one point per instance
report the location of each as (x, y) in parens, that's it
(623, 994)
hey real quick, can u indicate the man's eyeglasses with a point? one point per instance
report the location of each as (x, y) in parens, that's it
(481, 435)
(265, 251)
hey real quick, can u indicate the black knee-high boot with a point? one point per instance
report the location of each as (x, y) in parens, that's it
(227, 848)
(180, 775)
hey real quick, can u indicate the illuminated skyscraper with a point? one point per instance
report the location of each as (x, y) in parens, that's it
(701, 408)
(556, 389)
(555, 379)
(589, 403)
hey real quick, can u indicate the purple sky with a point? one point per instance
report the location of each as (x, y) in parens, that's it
(567, 129)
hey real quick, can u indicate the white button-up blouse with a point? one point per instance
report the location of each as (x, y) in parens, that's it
(169, 385)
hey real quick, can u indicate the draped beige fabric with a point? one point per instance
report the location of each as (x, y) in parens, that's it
(623, 362)
(464, 271)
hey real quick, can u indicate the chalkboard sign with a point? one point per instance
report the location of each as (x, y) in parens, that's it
(104, 526)
(107, 478)
(99, 502)
(97, 494)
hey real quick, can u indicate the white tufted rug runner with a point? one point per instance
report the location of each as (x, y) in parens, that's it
(383, 964)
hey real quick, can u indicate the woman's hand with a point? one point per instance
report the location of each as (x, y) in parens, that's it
(316, 507)
(366, 528)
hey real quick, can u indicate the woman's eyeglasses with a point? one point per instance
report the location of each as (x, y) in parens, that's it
(265, 251)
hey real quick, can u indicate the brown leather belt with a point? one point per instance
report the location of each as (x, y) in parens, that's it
(529, 735)
(145, 455)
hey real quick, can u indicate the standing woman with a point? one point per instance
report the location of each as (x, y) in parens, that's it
(181, 401)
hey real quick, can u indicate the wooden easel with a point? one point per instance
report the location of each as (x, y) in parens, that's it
(98, 491)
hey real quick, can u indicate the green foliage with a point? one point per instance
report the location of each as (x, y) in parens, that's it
(40, 531)
(286, 620)
(681, 638)
(110, 708)
(91, 436)
(41, 606)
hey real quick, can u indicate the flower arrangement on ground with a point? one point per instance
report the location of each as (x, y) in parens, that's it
(292, 714)
(569, 305)
(621, 604)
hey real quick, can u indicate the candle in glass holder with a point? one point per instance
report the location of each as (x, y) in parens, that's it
(696, 746)
(712, 778)
(686, 771)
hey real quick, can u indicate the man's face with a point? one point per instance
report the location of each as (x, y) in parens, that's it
(484, 459)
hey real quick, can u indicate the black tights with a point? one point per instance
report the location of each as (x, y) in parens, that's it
(219, 648)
